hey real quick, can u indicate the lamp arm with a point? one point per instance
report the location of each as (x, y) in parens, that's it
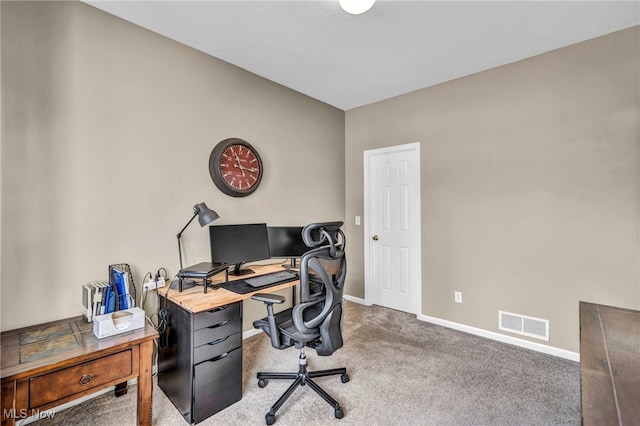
(179, 236)
(188, 223)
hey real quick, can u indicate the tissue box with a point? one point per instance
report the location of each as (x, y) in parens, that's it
(118, 322)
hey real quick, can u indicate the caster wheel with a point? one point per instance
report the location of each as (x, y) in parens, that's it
(344, 378)
(270, 419)
(262, 383)
(339, 414)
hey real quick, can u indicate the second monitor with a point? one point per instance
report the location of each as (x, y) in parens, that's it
(285, 242)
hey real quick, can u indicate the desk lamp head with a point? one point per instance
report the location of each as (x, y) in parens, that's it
(205, 217)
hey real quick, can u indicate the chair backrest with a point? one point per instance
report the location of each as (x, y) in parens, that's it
(322, 277)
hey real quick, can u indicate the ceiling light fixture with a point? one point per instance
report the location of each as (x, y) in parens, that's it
(356, 7)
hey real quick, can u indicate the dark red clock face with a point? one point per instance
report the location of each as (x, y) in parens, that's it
(235, 167)
(239, 167)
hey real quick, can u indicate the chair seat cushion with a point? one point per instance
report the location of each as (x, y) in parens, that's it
(288, 332)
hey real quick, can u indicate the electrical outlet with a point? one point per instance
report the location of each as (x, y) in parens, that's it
(152, 285)
(457, 296)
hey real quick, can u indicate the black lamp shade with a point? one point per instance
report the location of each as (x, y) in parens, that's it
(205, 214)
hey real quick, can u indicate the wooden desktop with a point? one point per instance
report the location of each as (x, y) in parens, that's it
(195, 300)
(200, 354)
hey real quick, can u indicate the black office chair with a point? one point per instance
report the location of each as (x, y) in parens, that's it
(316, 321)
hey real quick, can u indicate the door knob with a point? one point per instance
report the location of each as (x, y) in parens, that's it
(375, 238)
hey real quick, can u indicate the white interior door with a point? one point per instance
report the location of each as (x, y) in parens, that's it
(392, 227)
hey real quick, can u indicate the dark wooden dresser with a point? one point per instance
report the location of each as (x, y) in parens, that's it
(50, 364)
(609, 365)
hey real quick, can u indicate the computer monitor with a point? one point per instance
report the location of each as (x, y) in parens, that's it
(285, 242)
(237, 244)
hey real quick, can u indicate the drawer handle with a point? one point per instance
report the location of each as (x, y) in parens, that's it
(222, 324)
(215, 342)
(219, 308)
(85, 379)
(219, 357)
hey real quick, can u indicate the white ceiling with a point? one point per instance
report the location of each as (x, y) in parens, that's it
(396, 47)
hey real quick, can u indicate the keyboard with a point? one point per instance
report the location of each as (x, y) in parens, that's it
(272, 278)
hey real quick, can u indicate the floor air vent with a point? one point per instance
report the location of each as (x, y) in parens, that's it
(527, 326)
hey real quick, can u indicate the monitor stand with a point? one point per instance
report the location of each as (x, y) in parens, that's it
(292, 265)
(237, 270)
(186, 284)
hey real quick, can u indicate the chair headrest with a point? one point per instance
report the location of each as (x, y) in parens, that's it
(324, 234)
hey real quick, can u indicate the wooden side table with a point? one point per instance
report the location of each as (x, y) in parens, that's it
(46, 365)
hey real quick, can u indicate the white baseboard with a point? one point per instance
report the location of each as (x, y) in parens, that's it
(550, 350)
(355, 300)
(250, 333)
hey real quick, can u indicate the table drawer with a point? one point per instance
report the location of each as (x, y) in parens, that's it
(217, 347)
(79, 378)
(216, 315)
(217, 331)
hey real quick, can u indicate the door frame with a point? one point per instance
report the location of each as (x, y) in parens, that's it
(368, 264)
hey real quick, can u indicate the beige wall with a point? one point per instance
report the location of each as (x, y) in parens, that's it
(106, 135)
(529, 183)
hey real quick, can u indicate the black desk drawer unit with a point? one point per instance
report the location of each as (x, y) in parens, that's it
(200, 360)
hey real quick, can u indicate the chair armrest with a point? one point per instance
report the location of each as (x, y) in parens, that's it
(268, 298)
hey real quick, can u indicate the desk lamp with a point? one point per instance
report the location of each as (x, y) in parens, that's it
(205, 217)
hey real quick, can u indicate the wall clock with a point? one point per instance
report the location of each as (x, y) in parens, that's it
(235, 167)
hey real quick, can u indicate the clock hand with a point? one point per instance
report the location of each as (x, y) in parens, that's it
(251, 169)
(239, 165)
(242, 169)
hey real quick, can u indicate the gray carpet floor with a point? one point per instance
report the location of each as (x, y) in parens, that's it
(403, 372)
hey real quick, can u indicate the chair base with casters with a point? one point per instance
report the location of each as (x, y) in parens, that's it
(301, 378)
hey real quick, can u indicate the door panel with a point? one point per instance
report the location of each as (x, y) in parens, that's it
(394, 229)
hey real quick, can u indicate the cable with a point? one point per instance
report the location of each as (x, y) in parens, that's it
(144, 291)
(165, 276)
(161, 315)
(158, 319)
(162, 320)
